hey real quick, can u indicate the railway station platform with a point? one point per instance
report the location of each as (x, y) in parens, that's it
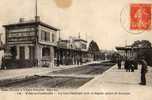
(124, 84)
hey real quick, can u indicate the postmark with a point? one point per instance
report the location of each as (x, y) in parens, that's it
(63, 3)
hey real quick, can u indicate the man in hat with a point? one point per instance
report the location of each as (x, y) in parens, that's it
(143, 72)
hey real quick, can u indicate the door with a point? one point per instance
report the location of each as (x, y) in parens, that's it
(22, 53)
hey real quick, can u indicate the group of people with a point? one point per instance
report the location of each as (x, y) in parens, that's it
(131, 65)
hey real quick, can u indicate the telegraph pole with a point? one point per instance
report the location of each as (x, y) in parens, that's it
(36, 31)
(36, 15)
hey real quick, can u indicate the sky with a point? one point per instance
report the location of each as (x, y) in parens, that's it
(97, 20)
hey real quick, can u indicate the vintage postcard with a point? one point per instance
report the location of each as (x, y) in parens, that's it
(76, 49)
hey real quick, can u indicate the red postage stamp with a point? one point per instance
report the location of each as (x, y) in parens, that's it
(140, 16)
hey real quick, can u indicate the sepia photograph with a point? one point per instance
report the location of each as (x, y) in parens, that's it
(77, 49)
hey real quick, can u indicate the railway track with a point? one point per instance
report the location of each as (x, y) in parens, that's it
(68, 78)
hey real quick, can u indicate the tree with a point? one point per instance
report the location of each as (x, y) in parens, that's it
(94, 49)
(145, 50)
(142, 44)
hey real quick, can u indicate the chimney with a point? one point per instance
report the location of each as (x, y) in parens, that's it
(37, 18)
(21, 20)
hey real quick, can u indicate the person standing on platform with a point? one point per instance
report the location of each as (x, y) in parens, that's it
(132, 67)
(3, 66)
(143, 72)
(127, 65)
(119, 64)
(135, 63)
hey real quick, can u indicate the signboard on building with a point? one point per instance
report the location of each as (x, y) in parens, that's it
(21, 36)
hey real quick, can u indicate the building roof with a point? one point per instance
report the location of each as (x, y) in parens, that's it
(80, 40)
(31, 22)
(47, 43)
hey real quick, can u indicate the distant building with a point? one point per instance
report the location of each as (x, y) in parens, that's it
(80, 44)
(72, 51)
(31, 43)
(128, 51)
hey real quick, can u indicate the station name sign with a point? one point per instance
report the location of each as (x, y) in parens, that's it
(21, 35)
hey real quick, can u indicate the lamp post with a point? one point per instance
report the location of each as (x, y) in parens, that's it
(1, 43)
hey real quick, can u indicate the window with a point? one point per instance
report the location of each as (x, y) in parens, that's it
(45, 36)
(53, 37)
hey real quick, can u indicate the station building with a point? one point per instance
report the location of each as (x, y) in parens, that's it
(31, 43)
(72, 51)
